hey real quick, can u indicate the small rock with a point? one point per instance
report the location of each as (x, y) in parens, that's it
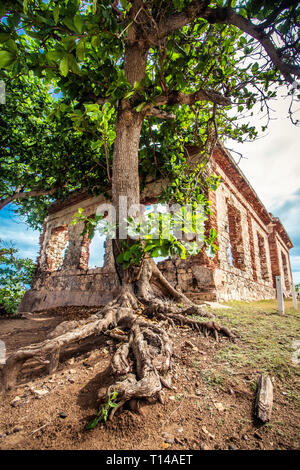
(15, 402)
(40, 393)
(72, 371)
(169, 440)
(232, 447)
(63, 415)
(245, 437)
(198, 392)
(204, 446)
(172, 397)
(257, 435)
(179, 430)
(231, 391)
(2, 436)
(18, 428)
(211, 436)
(189, 344)
(219, 406)
(260, 445)
(72, 381)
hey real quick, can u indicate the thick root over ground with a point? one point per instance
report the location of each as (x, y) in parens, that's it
(143, 359)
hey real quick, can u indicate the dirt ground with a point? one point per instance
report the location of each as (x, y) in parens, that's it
(210, 407)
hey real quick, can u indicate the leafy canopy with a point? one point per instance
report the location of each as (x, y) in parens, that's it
(63, 66)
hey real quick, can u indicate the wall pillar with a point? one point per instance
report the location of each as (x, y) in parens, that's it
(73, 258)
(274, 255)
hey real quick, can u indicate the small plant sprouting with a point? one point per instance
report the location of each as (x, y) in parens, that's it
(104, 411)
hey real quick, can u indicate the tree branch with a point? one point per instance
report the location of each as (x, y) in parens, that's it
(24, 194)
(154, 112)
(272, 17)
(245, 25)
(226, 15)
(176, 97)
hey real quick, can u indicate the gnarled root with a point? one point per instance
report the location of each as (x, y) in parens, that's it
(163, 309)
(48, 351)
(142, 361)
(151, 349)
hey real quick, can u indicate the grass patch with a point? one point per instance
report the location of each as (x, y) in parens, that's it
(213, 379)
(265, 337)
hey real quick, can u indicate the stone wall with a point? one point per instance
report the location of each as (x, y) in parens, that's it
(253, 249)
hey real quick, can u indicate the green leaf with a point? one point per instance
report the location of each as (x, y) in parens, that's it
(140, 107)
(11, 46)
(64, 65)
(56, 14)
(93, 423)
(92, 107)
(54, 55)
(6, 59)
(68, 22)
(80, 49)
(25, 6)
(4, 37)
(73, 64)
(78, 22)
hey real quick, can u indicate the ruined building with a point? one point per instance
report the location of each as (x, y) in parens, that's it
(253, 249)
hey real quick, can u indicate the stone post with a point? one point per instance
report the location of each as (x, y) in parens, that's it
(279, 292)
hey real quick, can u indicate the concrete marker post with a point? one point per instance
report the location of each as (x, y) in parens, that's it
(294, 297)
(279, 292)
(2, 353)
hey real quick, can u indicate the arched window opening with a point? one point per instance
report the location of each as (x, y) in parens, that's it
(56, 248)
(263, 258)
(236, 253)
(97, 251)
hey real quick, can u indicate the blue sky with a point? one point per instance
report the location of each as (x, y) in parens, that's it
(271, 164)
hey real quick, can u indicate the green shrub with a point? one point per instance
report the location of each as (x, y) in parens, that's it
(15, 278)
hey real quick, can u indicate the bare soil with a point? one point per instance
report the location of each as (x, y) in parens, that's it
(211, 406)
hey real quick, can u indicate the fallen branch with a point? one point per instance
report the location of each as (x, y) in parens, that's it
(264, 398)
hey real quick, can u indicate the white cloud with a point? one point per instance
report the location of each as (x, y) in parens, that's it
(271, 163)
(272, 166)
(23, 238)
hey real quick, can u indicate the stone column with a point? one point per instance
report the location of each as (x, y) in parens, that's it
(274, 255)
(73, 254)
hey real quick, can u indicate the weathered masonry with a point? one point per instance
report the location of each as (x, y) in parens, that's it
(253, 249)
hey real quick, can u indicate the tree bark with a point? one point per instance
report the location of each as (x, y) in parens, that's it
(141, 364)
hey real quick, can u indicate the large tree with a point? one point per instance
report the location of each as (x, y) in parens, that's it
(136, 82)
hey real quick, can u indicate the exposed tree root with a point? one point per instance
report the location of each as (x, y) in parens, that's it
(143, 359)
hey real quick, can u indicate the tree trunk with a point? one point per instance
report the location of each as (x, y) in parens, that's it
(142, 362)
